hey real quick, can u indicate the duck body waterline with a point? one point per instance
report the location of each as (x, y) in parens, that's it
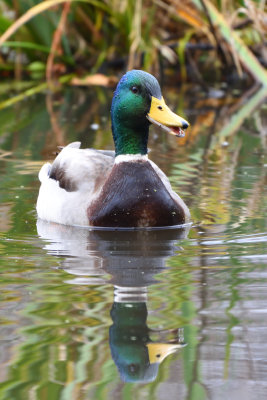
(116, 189)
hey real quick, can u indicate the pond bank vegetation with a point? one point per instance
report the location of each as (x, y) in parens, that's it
(197, 40)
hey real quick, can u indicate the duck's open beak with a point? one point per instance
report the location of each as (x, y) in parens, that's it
(160, 115)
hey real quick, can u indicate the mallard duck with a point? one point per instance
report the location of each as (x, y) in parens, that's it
(123, 188)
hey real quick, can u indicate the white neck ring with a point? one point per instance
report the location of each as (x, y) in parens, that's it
(130, 158)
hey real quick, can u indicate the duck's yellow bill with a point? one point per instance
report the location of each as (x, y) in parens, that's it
(160, 115)
(158, 351)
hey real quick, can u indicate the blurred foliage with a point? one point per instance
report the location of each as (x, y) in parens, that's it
(78, 36)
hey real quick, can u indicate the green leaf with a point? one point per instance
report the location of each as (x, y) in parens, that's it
(4, 24)
(27, 45)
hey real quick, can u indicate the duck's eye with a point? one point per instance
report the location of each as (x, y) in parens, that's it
(134, 89)
(160, 108)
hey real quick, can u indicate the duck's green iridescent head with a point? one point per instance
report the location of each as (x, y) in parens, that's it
(136, 103)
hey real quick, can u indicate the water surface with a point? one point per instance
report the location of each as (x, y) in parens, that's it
(103, 315)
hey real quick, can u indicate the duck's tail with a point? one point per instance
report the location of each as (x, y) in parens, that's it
(44, 172)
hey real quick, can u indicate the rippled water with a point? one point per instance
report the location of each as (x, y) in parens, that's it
(177, 313)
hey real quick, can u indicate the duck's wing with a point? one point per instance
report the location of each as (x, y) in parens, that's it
(110, 153)
(78, 169)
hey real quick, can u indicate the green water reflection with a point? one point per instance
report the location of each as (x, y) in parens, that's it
(98, 315)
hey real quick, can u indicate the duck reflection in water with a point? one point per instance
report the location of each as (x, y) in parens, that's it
(135, 354)
(132, 258)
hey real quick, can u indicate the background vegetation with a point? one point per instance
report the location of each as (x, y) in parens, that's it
(197, 39)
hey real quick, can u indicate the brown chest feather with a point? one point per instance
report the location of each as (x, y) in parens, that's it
(134, 196)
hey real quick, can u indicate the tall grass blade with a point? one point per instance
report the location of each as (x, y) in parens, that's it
(27, 45)
(37, 47)
(38, 9)
(246, 57)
